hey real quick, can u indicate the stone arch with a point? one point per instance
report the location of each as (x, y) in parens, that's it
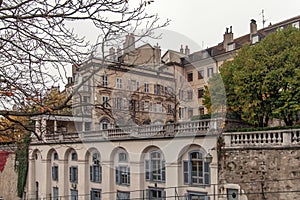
(36, 153)
(148, 149)
(188, 148)
(50, 154)
(68, 152)
(116, 150)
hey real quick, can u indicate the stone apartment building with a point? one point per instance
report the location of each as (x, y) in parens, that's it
(131, 135)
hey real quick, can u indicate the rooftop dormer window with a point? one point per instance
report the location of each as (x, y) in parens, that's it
(254, 39)
(296, 24)
(230, 46)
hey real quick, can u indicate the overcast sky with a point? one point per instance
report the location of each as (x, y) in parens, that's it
(199, 23)
(205, 22)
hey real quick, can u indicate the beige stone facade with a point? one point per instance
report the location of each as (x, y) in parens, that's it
(8, 177)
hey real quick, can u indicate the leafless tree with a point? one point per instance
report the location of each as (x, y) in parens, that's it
(38, 45)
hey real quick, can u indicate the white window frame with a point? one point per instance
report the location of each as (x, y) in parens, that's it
(104, 80)
(146, 87)
(105, 100)
(119, 83)
(155, 167)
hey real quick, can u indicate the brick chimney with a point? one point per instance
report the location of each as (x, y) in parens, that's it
(112, 54)
(157, 54)
(181, 49)
(187, 50)
(129, 44)
(253, 27)
(228, 37)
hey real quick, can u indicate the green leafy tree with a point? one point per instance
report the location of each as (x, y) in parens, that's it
(263, 80)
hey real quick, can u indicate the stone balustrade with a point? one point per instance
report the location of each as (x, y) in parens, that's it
(271, 138)
(199, 127)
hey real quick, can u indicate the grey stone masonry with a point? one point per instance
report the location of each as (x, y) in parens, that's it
(265, 165)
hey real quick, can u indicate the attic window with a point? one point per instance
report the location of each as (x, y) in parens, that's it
(295, 24)
(204, 54)
(255, 39)
(231, 47)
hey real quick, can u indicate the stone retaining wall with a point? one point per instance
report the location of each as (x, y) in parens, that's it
(262, 173)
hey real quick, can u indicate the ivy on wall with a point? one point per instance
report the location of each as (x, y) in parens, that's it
(21, 164)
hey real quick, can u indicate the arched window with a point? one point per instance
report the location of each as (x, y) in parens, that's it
(155, 167)
(196, 170)
(122, 168)
(55, 156)
(74, 156)
(95, 168)
(104, 124)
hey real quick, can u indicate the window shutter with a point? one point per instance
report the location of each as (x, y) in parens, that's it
(186, 172)
(164, 195)
(117, 175)
(147, 167)
(53, 176)
(100, 173)
(147, 194)
(206, 173)
(71, 174)
(91, 173)
(76, 174)
(128, 175)
(163, 171)
(92, 195)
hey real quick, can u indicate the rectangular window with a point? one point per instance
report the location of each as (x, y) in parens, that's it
(190, 113)
(55, 173)
(105, 100)
(74, 195)
(146, 87)
(210, 72)
(55, 193)
(123, 175)
(156, 194)
(180, 95)
(296, 24)
(95, 194)
(87, 126)
(73, 174)
(119, 83)
(190, 76)
(123, 195)
(200, 93)
(95, 173)
(201, 74)
(104, 81)
(190, 95)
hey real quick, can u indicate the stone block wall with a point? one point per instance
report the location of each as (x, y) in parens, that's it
(262, 173)
(8, 176)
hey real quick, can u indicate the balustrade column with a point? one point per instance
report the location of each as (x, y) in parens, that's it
(287, 138)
